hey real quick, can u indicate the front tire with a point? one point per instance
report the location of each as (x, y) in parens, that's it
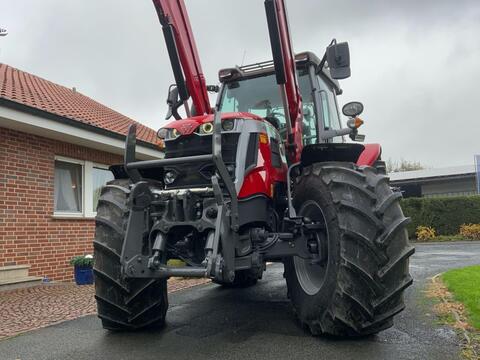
(122, 304)
(358, 287)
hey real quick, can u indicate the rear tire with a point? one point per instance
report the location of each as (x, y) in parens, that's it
(123, 304)
(359, 288)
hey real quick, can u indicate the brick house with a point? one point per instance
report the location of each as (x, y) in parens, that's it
(55, 148)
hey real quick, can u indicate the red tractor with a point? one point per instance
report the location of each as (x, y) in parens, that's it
(264, 176)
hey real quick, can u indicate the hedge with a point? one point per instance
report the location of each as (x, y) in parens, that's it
(444, 214)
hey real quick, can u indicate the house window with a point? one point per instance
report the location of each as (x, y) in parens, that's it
(68, 187)
(100, 176)
(77, 187)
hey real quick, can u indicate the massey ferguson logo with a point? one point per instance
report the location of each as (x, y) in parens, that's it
(186, 128)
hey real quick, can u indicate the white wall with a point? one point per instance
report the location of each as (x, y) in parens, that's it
(451, 187)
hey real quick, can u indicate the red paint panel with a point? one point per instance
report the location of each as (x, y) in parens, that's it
(261, 179)
(369, 155)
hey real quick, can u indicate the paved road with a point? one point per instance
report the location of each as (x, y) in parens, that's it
(255, 323)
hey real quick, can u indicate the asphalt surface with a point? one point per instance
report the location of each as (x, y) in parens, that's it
(256, 323)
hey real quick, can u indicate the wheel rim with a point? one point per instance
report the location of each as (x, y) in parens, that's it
(312, 276)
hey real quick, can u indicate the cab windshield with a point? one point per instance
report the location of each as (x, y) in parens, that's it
(260, 96)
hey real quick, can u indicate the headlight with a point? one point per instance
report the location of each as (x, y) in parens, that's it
(168, 134)
(162, 133)
(228, 124)
(169, 177)
(174, 133)
(206, 128)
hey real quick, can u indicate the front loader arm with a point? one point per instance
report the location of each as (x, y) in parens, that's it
(183, 54)
(285, 70)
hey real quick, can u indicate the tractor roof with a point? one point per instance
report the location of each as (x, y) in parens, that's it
(266, 67)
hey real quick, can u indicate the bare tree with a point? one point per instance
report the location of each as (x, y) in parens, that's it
(403, 165)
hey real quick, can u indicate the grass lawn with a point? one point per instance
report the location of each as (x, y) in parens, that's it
(464, 284)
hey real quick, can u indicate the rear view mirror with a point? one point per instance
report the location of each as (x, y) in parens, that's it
(172, 95)
(173, 102)
(338, 58)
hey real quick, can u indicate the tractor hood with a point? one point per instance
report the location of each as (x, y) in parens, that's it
(189, 125)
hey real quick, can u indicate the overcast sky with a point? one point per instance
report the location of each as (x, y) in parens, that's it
(415, 64)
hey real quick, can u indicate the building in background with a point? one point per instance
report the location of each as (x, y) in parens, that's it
(449, 181)
(477, 172)
(55, 148)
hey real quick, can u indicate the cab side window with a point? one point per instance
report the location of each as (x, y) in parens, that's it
(329, 105)
(277, 146)
(309, 125)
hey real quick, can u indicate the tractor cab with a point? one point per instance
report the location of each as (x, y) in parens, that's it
(253, 89)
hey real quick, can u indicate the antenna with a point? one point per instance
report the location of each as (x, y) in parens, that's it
(244, 55)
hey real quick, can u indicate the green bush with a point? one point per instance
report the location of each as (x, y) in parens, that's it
(82, 261)
(444, 214)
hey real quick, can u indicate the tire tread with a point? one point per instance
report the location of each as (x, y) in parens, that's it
(123, 304)
(368, 292)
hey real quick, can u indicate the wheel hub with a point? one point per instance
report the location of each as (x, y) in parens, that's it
(311, 272)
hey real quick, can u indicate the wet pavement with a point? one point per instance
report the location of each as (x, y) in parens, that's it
(255, 323)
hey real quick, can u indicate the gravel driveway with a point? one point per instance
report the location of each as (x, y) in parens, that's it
(256, 323)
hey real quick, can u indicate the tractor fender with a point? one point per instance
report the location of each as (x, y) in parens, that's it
(344, 152)
(369, 155)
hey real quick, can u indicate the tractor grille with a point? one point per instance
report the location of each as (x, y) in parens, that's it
(198, 174)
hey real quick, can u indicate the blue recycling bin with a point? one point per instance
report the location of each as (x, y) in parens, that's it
(83, 275)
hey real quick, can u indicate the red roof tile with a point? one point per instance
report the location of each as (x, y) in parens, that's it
(38, 93)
